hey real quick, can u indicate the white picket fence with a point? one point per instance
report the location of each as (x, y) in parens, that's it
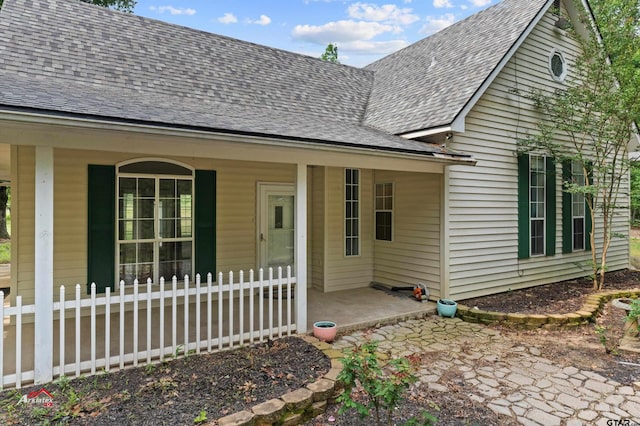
(264, 310)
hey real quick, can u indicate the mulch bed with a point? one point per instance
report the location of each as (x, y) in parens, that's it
(559, 298)
(177, 391)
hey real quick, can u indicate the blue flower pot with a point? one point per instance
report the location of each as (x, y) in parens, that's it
(447, 308)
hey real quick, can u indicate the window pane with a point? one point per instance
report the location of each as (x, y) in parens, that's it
(146, 188)
(145, 252)
(126, 230)
(128, 253)
(127, 186)
(383, 226)
(127, 274)
(184, 228)
(537, 237)
(167, 208)
(145, 271)
(168, 228)
(145, 209)
(167, 188)
(184, 187)
(145, 229)
(578, 234)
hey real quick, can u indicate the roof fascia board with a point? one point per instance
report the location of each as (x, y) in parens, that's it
(97, 124)
(459, 121)
(426, 132)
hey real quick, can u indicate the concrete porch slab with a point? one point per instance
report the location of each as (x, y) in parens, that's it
(363, 307)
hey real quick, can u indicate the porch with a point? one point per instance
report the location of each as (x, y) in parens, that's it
(85, 351)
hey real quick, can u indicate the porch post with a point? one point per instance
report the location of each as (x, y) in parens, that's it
(43, 277)
(301, 249)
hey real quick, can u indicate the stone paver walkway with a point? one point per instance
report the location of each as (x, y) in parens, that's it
(510, 379)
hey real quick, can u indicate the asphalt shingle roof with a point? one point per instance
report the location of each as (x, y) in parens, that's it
(68, 57)
(72, 58)
(428, 83)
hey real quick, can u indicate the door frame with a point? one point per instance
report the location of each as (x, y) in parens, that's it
(263, 190)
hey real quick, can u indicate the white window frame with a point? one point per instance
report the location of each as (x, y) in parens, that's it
(357, 218)
(383, 210)
(543, 202)
(563, 75)
(578, 178)
(157, 239)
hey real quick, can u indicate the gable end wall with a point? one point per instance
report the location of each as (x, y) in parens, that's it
(482, 201)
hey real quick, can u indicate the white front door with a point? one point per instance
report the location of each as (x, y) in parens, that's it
(276, 226)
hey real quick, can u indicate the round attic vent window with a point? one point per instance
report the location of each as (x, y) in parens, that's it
(557, 65)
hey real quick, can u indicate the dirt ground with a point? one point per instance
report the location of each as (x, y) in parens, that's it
(186, 391)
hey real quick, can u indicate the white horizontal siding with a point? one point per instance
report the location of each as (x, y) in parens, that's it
(347, 272)
(482, 201)
(414, 253)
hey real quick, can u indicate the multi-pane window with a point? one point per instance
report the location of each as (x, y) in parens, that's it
(155, 226)
(578, 207)
(352, 212)
(537, 197)
(384, 211)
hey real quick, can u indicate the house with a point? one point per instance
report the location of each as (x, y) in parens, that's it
(141, 149)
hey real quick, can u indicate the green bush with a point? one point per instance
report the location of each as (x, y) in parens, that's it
(384, 386)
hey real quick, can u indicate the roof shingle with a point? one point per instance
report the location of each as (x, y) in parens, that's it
(428, 83)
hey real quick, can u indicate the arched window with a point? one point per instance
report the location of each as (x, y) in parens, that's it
(155, 220)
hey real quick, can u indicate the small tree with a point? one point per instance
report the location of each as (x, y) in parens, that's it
(331, 54)
(590, 123)
(384, 385)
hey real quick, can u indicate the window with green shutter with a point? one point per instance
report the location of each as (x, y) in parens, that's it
(576, 218)
(536, 206)
(149, 220)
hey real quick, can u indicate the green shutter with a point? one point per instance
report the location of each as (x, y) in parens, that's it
(550, 202)
(205, 223)
(101, 233)
(567, 210)
(588, 225)
(523, 206)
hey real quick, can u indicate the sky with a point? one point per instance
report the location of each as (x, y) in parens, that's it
(363, 30)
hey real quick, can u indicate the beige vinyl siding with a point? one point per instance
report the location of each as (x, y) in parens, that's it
(317, 218)
(414, 253)
(482, 201)
(347, 272)
(236, 212)
(23, 207)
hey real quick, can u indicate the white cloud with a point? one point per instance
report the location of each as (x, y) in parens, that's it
(228, 18)
(340, 32)
(435, 24)
(388, 13)
(480, 3)
(264, 20)
(173, 10)
(373, 47)
(442, 3)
